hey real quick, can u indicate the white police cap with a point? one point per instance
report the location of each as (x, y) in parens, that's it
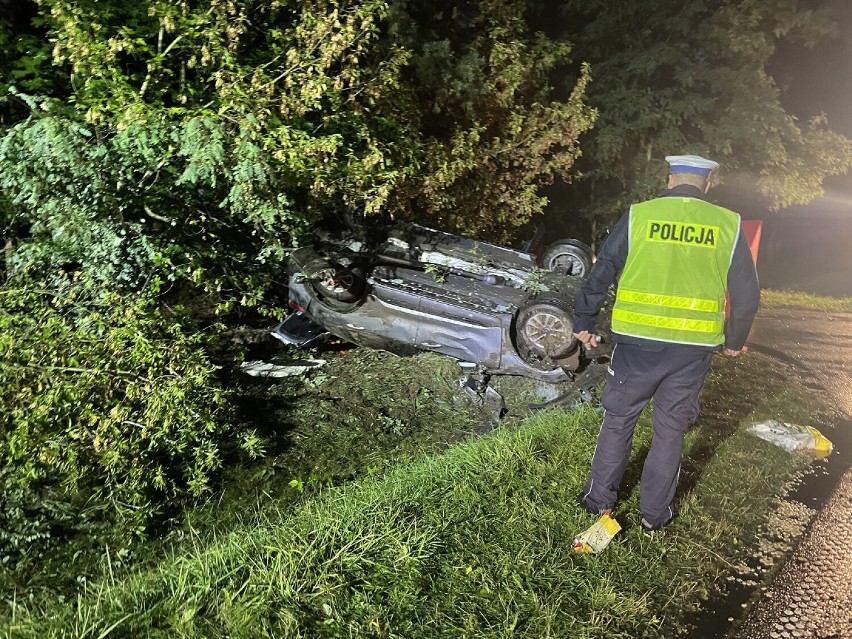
(691, 164)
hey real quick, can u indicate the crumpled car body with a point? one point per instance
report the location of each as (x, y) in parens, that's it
(406, 288)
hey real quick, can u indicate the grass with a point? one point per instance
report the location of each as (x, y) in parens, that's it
(473, 541)
(361, 414)
(783, 299)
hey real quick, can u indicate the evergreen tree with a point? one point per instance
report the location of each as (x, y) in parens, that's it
(691, 77)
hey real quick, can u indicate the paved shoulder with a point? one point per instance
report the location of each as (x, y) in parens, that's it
(812, 594)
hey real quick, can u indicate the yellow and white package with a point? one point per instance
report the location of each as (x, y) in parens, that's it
(597, 536)
(792, 437)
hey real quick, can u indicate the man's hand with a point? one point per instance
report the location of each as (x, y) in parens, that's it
(588, 339)
(729, 352)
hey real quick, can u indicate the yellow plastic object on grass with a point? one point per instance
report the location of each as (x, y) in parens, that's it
(597, 536)
(792, 437)
(821, 443)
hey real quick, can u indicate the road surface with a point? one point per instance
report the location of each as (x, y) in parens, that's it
(811, 596)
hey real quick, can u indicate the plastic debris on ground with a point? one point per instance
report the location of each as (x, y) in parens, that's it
(484, 397)
(281, 368)
(597, 536)
(792, 437)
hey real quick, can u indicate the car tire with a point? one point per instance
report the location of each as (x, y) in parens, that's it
(568, 257)
(543, 330)
(336, 280)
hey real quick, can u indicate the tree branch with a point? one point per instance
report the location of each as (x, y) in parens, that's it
(77, 369)
(158, 58)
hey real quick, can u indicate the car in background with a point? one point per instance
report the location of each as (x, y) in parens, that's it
(402, 287)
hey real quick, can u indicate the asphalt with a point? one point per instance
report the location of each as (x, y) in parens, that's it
(811, 594)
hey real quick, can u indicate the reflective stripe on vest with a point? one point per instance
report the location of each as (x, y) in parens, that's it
(673, 285)
(674, 301)
(680, 324)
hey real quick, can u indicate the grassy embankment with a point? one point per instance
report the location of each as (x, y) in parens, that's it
(780, 299)
(474, 541)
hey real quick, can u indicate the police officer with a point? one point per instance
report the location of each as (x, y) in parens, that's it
(674, 256)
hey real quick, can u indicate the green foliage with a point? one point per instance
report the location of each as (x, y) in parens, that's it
(109, 207)
(468, 543)
(198, 142)
(110, 402)
(161, 147)
(691, 77)
(27, 60)
(496, 508)
(160, 150)
(494, 129)
(28, 515)
(54, 177)
(473, 542)
(201, 140)
(204, 138)
(437, 272)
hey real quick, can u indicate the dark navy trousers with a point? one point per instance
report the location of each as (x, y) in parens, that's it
(670, 374)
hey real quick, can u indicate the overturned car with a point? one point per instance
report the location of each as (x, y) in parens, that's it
(405, 287)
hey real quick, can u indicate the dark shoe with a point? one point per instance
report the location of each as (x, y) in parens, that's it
(581, 499)
(648, 528)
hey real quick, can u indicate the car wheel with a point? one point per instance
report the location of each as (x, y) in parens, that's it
(543, 330)
(568, 257)
(340, 281)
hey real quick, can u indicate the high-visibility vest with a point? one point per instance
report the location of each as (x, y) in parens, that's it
(672, 288)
